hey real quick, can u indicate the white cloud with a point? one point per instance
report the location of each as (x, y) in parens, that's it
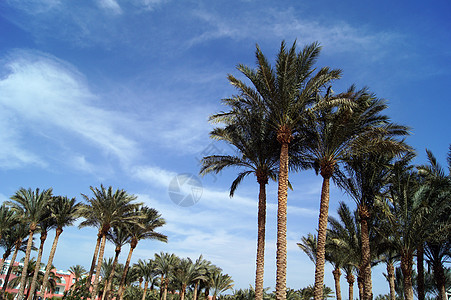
(110, 6)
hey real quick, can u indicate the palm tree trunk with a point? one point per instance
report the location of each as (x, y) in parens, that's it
(146, 283)
(321, 244)
(182, 292)
(350, 279)
(127, 264)
(420, 271)
(25, 263)
(48, 268)
(94, 258)
(391, 280)
(360, 286)
(336, 272)
(99, 265)
(406, 268)
(110, 278)
(5, 257)
(13, 259)
(161, 287)
(38, 265)
(196, 286)
(440, 280)
(366, 253)
(281, 256)
(260, 238)
(166, 283)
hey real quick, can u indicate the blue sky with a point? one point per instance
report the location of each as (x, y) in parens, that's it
(119, 92)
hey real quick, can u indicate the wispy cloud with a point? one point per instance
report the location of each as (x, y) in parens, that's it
(110, 6)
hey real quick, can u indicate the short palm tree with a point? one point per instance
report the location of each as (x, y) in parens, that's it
(15, 237)
(106, 209)
(119, 236)
(64, 212)
(8, 218)
(146, 270)
(284, 93)
(253, 137)
(184, 274)
(220, 283)
(78, 271)
(148, 220)
(202, 266)
(31, 205)
(164, 264)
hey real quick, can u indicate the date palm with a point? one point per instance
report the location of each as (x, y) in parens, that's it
(202, 266)
(146, 270)
(164, 264)
(15, 237)
(31, 205)
(45, 224)
(8, 218)
(257, 148)
(353, 127)
(119, 236)
(220, 283)
(147, 221)
(64, 212)
(285, 93)
(78, 271)
(106, 209)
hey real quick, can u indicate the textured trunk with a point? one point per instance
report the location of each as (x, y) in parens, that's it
(391, 280)
(146, 283)
(360, 286)
(25, 263)
(281, 256)
(127, 264)
(336, 272)
(440, 279)
(94, 259)
(182, 292)
(13, 259)
(406, 268)
(98, 267)
(106, 291)
(420, 271)
(350, 279)
(321, 246)
(5, 257)
(366, 254)
(165, 293)
(260, 238)
(196, 286)
(161, 287)
(38, 266)
(48, 268)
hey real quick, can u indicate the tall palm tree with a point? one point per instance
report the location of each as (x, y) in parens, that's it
(106, 209)
(285, 93)
(64, 212)
(119, 236)
(164, 264)
(253, 137)
(143, 228)
(15, 238)
(45, 224)
(31, 205)
(353, 127)
(8, 218)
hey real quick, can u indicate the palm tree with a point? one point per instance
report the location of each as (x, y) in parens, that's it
(220, 283)
(164, 264)
(78, 271)
(146, 270)
(143, 228)
(31, 205)
(104, 210)
(202, 266)
(285, 94)
(45, 224)
(119, 236)
(184, 274)
(256, 142)
(64, 212)
(15, 238)
(8, 218)
(353, 127)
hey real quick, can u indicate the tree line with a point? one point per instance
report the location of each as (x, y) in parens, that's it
(287, 118)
